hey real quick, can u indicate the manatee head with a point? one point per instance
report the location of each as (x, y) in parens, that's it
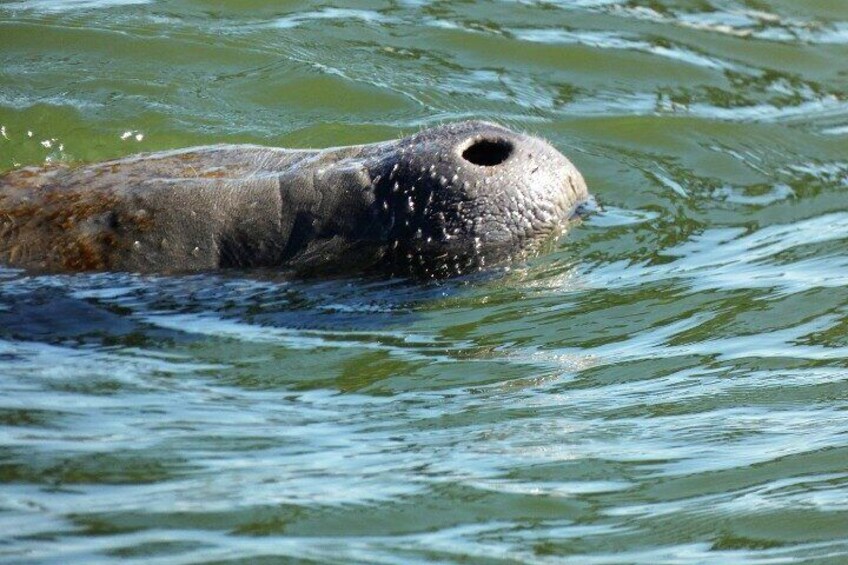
(454, 199)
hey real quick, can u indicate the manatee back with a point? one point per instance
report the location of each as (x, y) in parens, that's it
(159, 211)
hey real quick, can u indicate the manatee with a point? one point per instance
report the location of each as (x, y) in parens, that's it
(445, 201)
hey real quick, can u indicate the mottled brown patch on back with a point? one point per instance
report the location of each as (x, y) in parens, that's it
(89, 253)
(67, 228)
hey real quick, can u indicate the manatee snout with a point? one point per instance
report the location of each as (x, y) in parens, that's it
(457, 198)
(448, 200)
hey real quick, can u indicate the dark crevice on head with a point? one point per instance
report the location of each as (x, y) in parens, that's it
(488, 152)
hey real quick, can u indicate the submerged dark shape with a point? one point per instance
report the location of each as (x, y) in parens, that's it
(448, 200)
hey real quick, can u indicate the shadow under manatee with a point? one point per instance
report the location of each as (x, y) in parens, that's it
(50, 315)
(253, 331)
(123, 310)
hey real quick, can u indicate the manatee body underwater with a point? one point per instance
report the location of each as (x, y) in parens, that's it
(448, 200)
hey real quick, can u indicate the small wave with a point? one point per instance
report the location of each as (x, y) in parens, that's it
(727, 18)
(609, 40)
(725, 258)
(67, 5)
(336, 14)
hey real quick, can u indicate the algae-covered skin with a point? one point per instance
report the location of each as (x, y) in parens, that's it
(448, 200)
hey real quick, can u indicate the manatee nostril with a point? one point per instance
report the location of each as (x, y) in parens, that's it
(488, 152)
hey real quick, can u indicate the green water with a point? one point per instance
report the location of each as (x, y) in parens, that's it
(669, 385)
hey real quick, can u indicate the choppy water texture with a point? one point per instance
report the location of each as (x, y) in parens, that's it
(668, 386)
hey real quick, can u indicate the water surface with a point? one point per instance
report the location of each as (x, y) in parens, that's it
(669, 385)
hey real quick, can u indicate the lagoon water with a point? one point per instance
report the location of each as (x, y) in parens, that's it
(668, 385)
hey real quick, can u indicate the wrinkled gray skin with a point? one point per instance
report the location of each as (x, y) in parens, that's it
(448, 200)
